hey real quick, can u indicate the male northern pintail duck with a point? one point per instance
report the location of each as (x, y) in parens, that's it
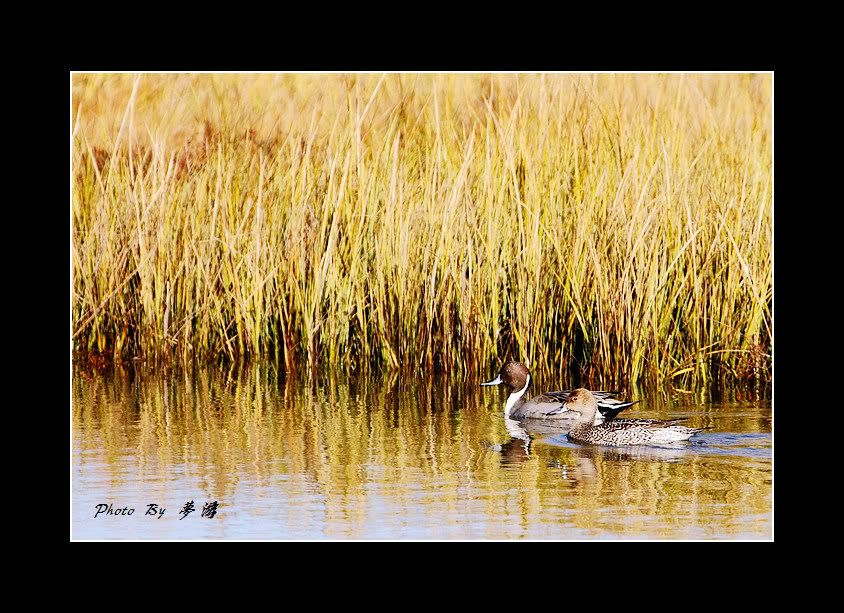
(619, 432)
(549, 405)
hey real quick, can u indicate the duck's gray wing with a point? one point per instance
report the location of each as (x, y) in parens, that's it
(540, 406)
(563, 395)
(607, 405)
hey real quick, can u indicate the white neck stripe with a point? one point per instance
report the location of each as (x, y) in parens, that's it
(514, 398)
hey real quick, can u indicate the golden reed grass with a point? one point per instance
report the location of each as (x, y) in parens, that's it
(614, 227)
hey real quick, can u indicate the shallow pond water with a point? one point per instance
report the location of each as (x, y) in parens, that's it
(386, 458)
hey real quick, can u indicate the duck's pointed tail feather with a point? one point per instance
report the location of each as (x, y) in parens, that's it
(610, 411)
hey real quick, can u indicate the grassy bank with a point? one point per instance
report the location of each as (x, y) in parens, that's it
(614, 226)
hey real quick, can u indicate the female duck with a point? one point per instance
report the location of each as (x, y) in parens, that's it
(549, 405)
(619, 432)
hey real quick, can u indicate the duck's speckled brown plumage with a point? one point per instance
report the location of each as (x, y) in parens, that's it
(620, 432)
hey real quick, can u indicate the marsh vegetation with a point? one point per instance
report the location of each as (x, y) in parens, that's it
(611, 228)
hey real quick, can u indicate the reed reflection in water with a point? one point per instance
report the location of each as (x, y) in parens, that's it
(387, 458)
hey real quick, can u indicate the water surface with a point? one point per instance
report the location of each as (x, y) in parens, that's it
(386, 458)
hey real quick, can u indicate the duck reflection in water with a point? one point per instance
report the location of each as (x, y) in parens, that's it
(517, 449)
(522, 433)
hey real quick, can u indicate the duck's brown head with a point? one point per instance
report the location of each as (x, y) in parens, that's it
(582, 401)
(513, 374)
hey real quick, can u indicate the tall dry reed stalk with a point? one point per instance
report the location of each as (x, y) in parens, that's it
(614, 227)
